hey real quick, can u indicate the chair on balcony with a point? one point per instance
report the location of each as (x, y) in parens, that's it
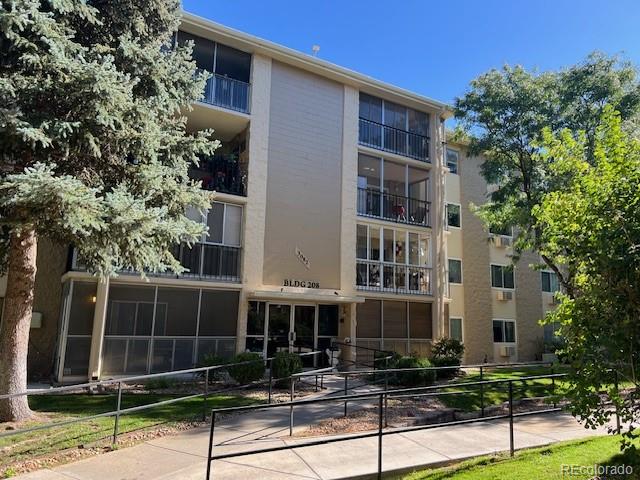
(400, 213)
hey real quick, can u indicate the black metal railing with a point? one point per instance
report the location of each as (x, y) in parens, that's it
(381, 401)
(393, 278)
(389, 139)
(228, 93)
(396, 208)
(208, 261)
(221, 173)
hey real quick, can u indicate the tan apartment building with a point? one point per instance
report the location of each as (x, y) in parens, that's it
(340, 213)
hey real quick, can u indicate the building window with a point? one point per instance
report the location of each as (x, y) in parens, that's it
(453, 159)
(549, 282)
(502, 276)
(506, 231)
(504, 331)
(455, 328)
(392, 260)
(453, 215)
(455, 271)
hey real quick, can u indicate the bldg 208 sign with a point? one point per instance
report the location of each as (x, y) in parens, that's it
(300, 283)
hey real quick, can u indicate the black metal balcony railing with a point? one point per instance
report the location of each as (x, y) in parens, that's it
(211, 262)
(383, 137)
(391, 277)
(396, 208)
(222, 173)
(228, 93)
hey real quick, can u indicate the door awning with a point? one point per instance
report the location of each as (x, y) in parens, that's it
(292, 295)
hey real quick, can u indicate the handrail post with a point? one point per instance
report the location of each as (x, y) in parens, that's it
(511, 446)
(380, 435)
(209, 460)
(117, 419)
(553, 388)
(617, 386)
(386, 401)
(291, 408)
(481, 393)
(270, 379)
(346, 381)
(206, 395)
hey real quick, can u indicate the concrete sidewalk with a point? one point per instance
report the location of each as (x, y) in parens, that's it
(184, 456)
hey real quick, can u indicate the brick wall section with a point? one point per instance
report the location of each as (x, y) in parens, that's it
(529, 309)
(52, 261)
(477, 325)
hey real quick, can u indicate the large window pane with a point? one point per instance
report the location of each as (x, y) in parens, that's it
(369, 172)
(232, 225)
(137, 356)
(203, 50)
(401, 247)
(129, 309)
(219, 313)
(388, 246)
(394, 179)
(418, 183)
(394, 319)
(455, 328)
(215, 222)
(418, 122)
(162, 355)
(328, 320)
(255, 318)
(233, 63)
(370, 108)
(414, 249)
(496, 276)
(368, 319)
(113, 356)
(395, 115)
(361, 242)
(374, 243)
(83, 304)
(509, 331)
(183, 354)
(453, 215)
(455, 271)
(76, 356)
(498, 334)
(181, 312)
(508, 277)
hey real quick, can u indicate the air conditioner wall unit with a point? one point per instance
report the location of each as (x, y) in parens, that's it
(507, 351)
(504, 295)
(502, 242)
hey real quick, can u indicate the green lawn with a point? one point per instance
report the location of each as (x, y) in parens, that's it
(540, 463)
(61, 407)
(498, 393)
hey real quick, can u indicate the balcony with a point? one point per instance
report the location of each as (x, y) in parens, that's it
(222, 173)
(389, 139)
(395, 208)
(209, 262)
(227, 92)
(393, 278)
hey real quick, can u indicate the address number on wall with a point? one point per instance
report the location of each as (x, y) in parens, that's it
(301, 283)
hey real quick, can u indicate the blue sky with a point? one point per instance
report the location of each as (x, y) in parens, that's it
(436, 47)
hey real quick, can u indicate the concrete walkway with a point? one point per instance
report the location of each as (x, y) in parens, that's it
(184, 456)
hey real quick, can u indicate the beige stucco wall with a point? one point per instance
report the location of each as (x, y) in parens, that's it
(304, 178)
(528, 294)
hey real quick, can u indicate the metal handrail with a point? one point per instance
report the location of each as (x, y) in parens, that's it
(390, 139)
(410, 276)
(382, 406)
(397, 208)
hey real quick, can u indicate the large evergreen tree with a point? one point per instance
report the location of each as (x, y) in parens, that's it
(94, 148)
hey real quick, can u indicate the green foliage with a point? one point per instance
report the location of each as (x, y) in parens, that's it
(507, 111)
(93, 143)
(160, 383)
(285, 364)
(592, 227)
(447, 352)
(414, 378)
(251, 369)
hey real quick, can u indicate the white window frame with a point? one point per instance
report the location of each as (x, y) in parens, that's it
(205, 219)
(515, 330)
(461, 327)
(552, 273)
(461, 272)
(446, 160)
(502, 266)
(459, 215)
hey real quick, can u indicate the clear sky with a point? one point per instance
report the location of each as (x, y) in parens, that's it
(436, 47)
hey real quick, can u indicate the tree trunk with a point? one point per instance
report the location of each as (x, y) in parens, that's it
(16, 321)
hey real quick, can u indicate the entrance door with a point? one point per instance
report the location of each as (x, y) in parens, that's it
(304, 327)
(278, 328)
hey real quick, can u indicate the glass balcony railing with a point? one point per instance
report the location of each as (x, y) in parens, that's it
(389, 139)
(393, 278)
(395, 208)
(228, 93)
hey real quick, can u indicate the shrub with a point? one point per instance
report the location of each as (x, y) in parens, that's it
(211, 360)
(285, 364)
(413, 378)
(247, 372)
(160, 383)
(447, 352)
